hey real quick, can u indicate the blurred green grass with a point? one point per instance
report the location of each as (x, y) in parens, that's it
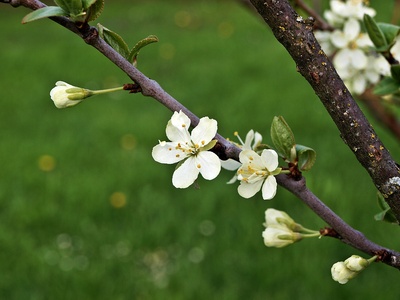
(104, 222)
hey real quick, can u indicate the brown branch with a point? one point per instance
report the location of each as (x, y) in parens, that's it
(297, 37)
(347, 234)
(320, 22)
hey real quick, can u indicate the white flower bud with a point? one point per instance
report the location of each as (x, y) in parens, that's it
(341, 273)
(279, 236)
(356, 263)
(66, 95)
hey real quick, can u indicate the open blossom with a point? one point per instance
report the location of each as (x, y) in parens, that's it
(251, 142)
(340, 11)
(189, 149)
(353, 58)
(257, 173)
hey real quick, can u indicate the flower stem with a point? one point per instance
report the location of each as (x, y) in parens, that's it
(105, 91)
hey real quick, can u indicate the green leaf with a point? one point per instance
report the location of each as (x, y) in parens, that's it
(44, 12)
(375, 33)
(306, 157)
(282, 137)
(386, 86)
(95, 10)
(114, 40)
(395, 72)
(386, 214)
(389, 31)
(87, 3)
(73, 7)
(139, 45)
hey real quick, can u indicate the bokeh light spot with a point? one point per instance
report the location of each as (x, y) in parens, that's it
(118, 199)
(225, 29)
(167, 51)
(46, 163)
(207, 227)
(128, 142)
(183, 18)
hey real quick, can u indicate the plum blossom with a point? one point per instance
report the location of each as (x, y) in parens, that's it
(257, 172)
(251, 142)
(353, 58)
(189, 150)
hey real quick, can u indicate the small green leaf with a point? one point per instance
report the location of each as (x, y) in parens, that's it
(114, 40)
(139, 45)
(95, 10)
(375, 33)
(395, 72)
(73, 7)
(87, 3)
(44, 12)
(386, 214)
(386, 86)
(282, 137)
(306, 157)
(390, 32)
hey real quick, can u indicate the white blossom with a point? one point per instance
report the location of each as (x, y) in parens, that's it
(257, 173)
(279, 236)
(189, 149)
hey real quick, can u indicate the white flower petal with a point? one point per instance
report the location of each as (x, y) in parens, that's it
(209, 164)
(204, 132)
(269, 188)
(249, 138)
(178, 128)
(166, 153)
(339, 39)
(230, 164)
(186, 174)
(358, 59)
(248, 190)
(352, 29)
(269, 159)
(359, 84)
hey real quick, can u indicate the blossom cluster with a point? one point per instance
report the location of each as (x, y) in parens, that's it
(192, 153)
(353, 57)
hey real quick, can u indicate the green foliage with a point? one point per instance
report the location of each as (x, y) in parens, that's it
(77, 10)
(285, 145)
(118, 44)
(45, 12)
(383, 35)
(386, 213)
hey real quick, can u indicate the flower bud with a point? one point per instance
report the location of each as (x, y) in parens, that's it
(279, 236)
(277, 217)
(341, 273)
(66, 95)
(356, 263)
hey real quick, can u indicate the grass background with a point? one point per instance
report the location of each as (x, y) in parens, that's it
(87, 214)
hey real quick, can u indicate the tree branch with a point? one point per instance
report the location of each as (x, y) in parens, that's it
(297, 37)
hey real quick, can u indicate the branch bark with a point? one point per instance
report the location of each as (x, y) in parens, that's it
(297, 37)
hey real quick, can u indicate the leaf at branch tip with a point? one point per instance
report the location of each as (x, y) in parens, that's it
(386, 214)
(386, 86)
(139, 45)
(73, 7)
(94, 10)
(282, 137)
(44, 12)
(114, 40)
(306, 157)
(375, 33)
(395, 72)
(390, 32)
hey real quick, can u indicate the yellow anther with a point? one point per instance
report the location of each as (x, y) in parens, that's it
(198, 166)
